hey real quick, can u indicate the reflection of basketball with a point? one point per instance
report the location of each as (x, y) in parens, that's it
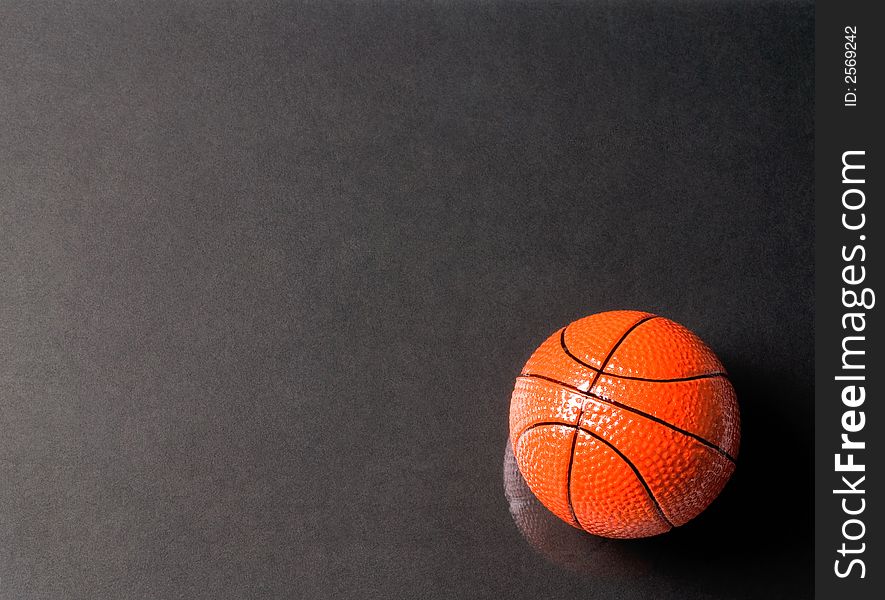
(624, 424)
(601, 558)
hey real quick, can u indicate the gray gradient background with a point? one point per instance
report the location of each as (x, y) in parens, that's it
(267, 274)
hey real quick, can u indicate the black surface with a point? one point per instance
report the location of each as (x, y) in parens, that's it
(269, 272)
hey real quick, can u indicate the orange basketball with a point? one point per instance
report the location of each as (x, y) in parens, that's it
(624, 424)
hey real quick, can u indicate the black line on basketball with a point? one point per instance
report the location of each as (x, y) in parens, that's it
(635, 471)
(599, 372)
(608, 357)
(570, 460)
(629, 463)
(610, 353)
(672, 380)
(626, 407)
(568, 477)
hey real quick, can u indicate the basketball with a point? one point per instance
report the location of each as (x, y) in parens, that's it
(624, 424)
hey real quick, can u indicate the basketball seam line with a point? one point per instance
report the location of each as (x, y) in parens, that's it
(571, 461)
(629, 408)
(614, 349)
(598, 371)
(629, 463)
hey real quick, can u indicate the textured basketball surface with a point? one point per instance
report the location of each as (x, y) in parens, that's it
(624, 424)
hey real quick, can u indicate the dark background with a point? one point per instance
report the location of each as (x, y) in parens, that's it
(267, 274)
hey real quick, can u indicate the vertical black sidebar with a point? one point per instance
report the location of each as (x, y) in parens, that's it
(850, 366)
